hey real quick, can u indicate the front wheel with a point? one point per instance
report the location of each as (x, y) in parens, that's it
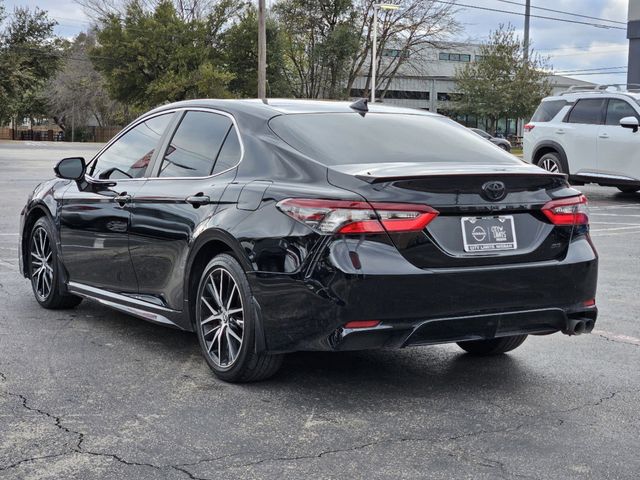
(226, 324)
(44, 268)
(494, 346)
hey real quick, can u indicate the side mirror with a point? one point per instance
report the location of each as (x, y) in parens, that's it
(629, 122)
(72, 168)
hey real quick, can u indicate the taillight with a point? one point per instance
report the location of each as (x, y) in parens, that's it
(568, 211)
(528, 127)
(344, 216)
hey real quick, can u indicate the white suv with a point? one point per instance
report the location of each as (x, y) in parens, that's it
(591, 135)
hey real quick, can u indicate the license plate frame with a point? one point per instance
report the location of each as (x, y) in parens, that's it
(489, 234)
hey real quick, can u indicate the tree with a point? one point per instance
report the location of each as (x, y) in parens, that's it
(240, 50)
(502, 83)
(151, 57)
(320, 41)
(79, 90)
(418, 23)
(328, 42)
(29, 56)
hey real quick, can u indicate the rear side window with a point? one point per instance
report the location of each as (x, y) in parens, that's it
(230, 153)
(195, 145)
(548, 110)
(617, 110)
(587, 111)
(350, 138)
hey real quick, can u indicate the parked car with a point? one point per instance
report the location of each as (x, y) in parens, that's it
(590, 135)
(503, 143)
(288, 225)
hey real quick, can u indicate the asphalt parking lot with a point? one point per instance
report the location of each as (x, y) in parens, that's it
(94, 394)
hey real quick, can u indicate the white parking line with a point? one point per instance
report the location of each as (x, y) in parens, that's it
(611, 207)
(617, 337)
(9, 234)
(615, 215)
(613, 229)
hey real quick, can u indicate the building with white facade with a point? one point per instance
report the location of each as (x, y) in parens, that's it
(426, 81)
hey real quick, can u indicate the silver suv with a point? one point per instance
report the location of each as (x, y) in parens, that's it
(590, 134)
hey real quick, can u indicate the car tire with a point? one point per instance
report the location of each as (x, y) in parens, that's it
(552, 162)
(225, 322)
(504, 147)
(45, 269)
(629, 189)
(494, 346)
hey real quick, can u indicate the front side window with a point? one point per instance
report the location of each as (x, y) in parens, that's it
(587, 111)
(195, 146)
(129, 156)
(617, 110)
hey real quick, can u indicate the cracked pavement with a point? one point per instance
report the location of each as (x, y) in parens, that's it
(94, 394)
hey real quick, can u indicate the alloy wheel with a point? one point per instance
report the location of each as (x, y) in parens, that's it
(550, 165)
(41, 263)
(221, 317)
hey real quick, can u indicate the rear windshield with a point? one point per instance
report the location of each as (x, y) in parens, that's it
(349, 138)
(547, 110)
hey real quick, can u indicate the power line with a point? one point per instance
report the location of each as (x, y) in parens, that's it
(543, 17)
(564, 13)
(597, 73)
(590, 69)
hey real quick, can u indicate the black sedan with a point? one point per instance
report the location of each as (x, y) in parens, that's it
(503, 143)
(276, 226)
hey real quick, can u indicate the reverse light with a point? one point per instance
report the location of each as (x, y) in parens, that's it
(351, 217)
(528, 127)
(568, 211)
(362, 324)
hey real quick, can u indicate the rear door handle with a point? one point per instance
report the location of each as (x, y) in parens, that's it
(198, 200)
(603, 135)
(560, 131)
(123, 199)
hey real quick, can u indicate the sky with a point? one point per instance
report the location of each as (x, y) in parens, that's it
(571, 47)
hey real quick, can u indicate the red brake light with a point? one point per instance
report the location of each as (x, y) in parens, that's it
(362, 324)
(568, 211)
(344, 216)
(528, 127)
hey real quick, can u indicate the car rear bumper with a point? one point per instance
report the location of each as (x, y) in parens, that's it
(418, 306)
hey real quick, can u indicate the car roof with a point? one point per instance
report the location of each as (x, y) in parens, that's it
(273, 107)
(573, 96)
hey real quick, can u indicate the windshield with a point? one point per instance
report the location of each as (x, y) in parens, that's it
(348, 138)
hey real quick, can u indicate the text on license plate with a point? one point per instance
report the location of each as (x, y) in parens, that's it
(487, 234)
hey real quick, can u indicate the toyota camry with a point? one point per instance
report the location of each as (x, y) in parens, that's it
(275, 226)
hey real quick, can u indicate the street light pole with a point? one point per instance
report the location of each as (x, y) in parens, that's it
(374, 47)
(374, 54)
(527, 19)
(262, 51)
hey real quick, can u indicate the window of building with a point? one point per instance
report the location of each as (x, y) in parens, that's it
(395, 53)
(449, 96)
(394, 94)
(454, 57)
(479, 58)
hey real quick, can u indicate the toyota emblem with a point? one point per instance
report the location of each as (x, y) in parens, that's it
(494, 191)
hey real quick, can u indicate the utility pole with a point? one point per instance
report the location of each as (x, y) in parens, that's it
(262, 51)
(633, 34)
(527, 18)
